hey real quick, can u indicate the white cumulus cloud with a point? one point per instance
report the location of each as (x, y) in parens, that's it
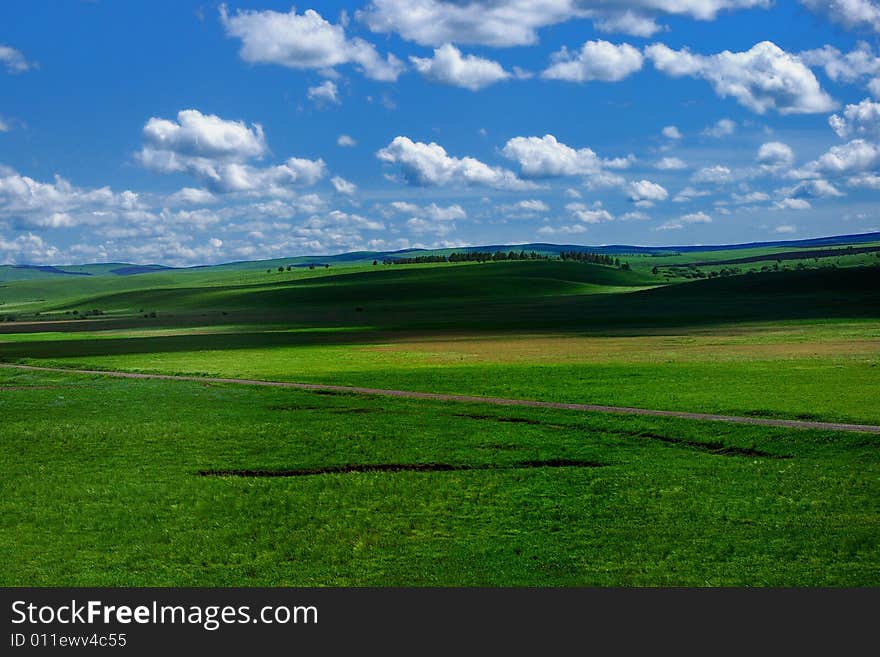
(429, 164)
(857, 64)
(432, 211)
(546, 157)
(326, 92)
(645, 190)
(503, 23)
(722, 128)
(587, 214)
(448, 66)
(717, 174)
(670, 164)
(792, 204)
(856, 156)
(596, 60)
(205, 135)
(217, 151)
(191, 196)
(343, 186)
(858, 121)
(775, 154)
(854, 14)
(761, 79)
(304, 41)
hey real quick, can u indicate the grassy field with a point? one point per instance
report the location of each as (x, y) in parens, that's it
(101, 487)
(101, 477)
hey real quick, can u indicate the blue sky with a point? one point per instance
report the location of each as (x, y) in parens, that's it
(194, 132)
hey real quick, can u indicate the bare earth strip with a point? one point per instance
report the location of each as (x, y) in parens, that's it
(497, 401)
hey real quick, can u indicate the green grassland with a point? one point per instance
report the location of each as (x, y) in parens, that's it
(740, 344)
(101, 487)
(101, 482)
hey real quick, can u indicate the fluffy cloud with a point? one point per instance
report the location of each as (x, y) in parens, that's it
(205, 136)
(792, 204)
(645, 190)
(762, 78)
(449, 67)
(419, 226)
(866, 181)
(856, 156)
(342, 186)
(858, 121)
(528, 209)
(345, 141)
(191, 196)
(532, 205)
(671, 132)
(504, 23)
(859, 157)
(545, 157)
(670, 164)
(723, 128)
(849, 13)
(14, 61)
(216, 151)
(326, 92)
(433, 211)
(429, 164)
(589, 215)
(596, 60)
(32, 204)
(305, 41)
(26, 249)
(859, 63)
(628, 22)
(775, 154)
(717, 174)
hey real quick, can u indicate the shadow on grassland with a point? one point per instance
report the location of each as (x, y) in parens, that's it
(774, 296)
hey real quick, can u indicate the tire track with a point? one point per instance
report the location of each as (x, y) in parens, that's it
(468, 399)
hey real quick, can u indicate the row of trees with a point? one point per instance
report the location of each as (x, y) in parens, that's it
(594, 258)
(468, 256)
(499, 256)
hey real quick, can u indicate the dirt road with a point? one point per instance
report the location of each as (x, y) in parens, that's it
(496, 401)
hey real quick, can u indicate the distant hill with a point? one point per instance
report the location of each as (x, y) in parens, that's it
(29, 272)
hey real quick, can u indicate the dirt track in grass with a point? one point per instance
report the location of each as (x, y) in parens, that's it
(469, 399)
